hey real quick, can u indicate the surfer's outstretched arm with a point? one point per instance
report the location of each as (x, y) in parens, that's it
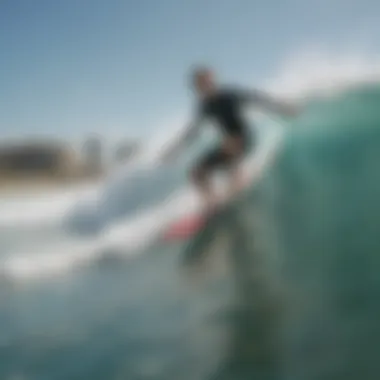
(268, 103)
(187, 136)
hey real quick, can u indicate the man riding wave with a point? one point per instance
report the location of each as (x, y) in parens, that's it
(225, 107)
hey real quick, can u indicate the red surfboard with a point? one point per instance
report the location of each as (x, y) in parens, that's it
(189, 225)
(184, 227)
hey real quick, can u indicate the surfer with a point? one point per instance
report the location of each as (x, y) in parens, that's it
(223, 105)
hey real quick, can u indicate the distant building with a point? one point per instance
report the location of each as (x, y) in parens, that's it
(36, 158)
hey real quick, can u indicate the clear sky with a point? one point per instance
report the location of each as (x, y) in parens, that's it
(68, 67)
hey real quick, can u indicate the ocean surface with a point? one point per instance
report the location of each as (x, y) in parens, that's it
(88, 291)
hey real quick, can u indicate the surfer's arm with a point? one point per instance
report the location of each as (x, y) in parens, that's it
(267, 102)
(187, 136)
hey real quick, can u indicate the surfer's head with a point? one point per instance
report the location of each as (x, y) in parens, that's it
(203, 80)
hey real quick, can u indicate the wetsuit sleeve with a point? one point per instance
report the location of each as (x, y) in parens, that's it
(253, 97)
(247, 96)
(263, 100)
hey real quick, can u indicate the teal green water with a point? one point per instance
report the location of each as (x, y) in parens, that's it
(284, 285)
(305, 245)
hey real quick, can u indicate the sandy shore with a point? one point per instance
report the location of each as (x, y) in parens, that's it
(41, 184)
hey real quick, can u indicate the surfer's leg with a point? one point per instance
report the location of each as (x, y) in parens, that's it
(236, 176)
(202, 178)
(202, 181)
(236, 180)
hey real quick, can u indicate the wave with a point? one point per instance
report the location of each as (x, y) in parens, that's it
(123, 233)
(120, 215)
(322, 72)
(304, 244)
(304, 74)
(126, 238)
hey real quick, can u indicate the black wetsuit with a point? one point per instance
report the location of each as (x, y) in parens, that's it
(225, 108)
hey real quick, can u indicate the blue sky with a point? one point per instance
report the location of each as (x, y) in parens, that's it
(69, 67)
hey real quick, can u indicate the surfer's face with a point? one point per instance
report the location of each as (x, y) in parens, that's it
(204, 83)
